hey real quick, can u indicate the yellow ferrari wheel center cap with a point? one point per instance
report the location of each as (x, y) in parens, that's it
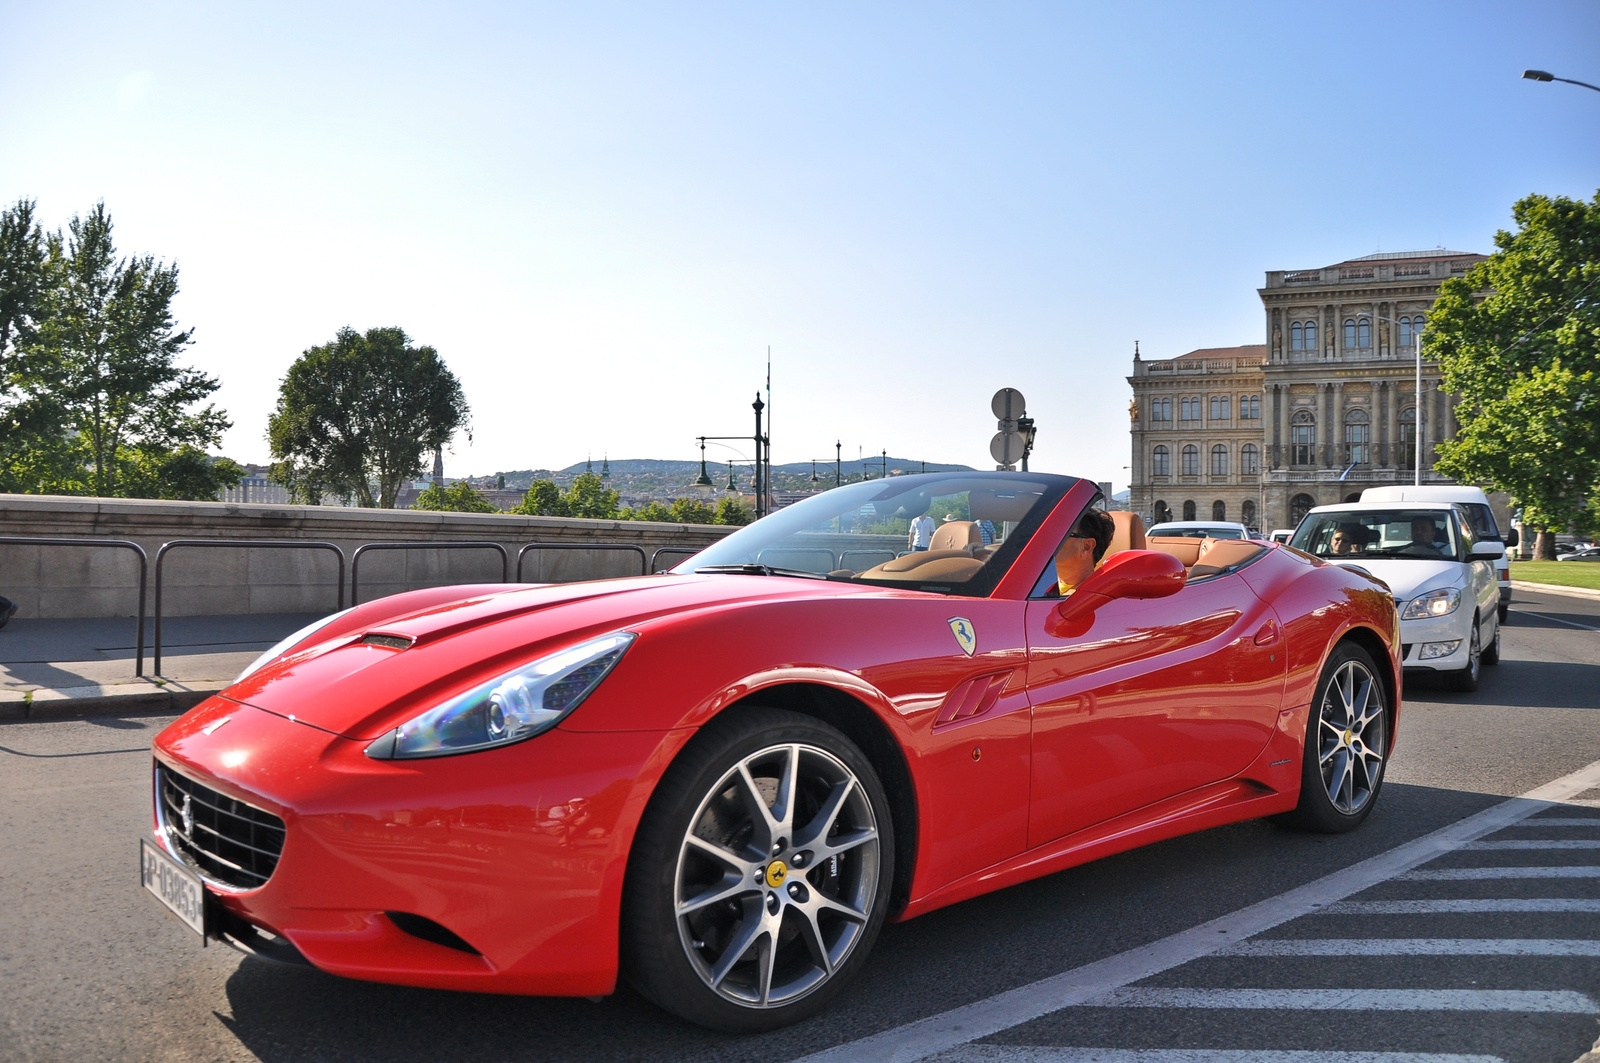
(1349, 736)
(777, 871)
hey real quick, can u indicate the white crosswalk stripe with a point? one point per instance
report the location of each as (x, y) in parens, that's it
(1464, 907)
(1472, 874)
(1560, 1001)
(1053, 1054)
(1416, 947)
(1536, 843)
(1562, 821)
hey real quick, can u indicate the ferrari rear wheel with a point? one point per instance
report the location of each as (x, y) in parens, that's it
(1347, 740)
(761, 876)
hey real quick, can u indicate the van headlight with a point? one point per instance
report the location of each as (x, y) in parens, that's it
(510, 708)
(1432, 604)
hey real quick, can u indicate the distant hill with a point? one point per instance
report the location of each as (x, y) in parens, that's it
(647, 478)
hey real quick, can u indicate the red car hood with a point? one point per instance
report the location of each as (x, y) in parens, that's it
(354, 687)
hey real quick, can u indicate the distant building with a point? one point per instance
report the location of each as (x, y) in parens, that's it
(1324, 409)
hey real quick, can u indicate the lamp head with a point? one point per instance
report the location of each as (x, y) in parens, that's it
(1538, 75)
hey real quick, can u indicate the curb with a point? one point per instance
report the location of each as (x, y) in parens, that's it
(124, 699)
(1555, 588)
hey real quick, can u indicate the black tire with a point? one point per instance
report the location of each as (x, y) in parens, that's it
(1505, 611)
(1491, 652)
(1351, 702)
(1465, 680)
(702, 835)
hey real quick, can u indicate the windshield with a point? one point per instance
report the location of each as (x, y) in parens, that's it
(1195, 531)
(950, 532)
(1428, 534)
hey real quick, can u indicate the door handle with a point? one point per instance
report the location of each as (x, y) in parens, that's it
(1268, 633)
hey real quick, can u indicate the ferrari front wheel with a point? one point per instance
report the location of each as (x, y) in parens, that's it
(1347, 740)
(761, 874)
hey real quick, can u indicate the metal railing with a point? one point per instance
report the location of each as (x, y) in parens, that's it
(355, 558)
(684, 550)
(644, 560)
(246, 544)
(121, 544)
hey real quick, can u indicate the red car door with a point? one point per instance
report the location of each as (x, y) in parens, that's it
(1156, 697)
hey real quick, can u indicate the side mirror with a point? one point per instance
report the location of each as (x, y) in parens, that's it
(1512, 539)
(1489, 550)
(1128, 574)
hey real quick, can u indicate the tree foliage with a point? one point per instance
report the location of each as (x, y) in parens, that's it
(361, 412)
(459, 497)
(92, 398)
(1518, 339)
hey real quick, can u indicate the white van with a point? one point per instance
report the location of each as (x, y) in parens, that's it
(1476, 505)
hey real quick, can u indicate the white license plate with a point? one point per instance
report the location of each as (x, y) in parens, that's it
(174, 886)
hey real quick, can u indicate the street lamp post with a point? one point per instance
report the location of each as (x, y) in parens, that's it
(1540, 75)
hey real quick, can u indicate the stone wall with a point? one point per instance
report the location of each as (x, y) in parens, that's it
(75, 581)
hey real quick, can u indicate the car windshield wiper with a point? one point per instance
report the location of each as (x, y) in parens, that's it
(752, 569)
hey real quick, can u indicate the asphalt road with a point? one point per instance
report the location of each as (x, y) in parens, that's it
(92, 968)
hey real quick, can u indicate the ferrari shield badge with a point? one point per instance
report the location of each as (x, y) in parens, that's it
(966, 635)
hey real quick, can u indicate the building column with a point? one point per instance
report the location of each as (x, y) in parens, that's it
(1339, 400)
(1392, 416)
(1280, 417)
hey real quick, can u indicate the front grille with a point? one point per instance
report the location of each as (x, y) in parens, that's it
(227, 841)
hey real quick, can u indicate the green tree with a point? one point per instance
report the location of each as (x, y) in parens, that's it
(1518, 339)
(543, 499)
(459, 497)
(692, 511)
(107, 407)
(731, 511)
(361, 412)
(588, 497)
(651, 510)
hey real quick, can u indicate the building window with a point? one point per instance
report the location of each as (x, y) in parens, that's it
(1357, 438)
(1299, 506)
(1408, 437)
(1247, 513)
(1249, 460)
(1303, 438)
(1219, 407)
(1250, 407)
(1403, 332)
(1219, 510)
(1219, 460)
(1191, 463)
(1161, 514)
(1189, 409)
(1161, 462)
(1364, 333)
(1160, 409)
(1311, 335)
(1297, 339)
(1188, 510)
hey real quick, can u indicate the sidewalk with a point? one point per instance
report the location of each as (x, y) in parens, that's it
(57, 668)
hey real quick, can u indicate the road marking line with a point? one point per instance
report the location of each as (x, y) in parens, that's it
(1416, 947)
(1536, 843)
(1467, 874)
(982, 1018)
(1559, 1001)
(1054, 1054)
(1434, 907)
(1563, 821)
(1557, 619)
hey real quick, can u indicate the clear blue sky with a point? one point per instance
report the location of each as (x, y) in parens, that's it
(603, 214)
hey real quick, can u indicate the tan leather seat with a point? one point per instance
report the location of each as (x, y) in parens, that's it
(956, 535)
(1129, 533)
(1183, 548)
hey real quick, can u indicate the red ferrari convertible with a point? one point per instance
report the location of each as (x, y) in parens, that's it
(718, 782)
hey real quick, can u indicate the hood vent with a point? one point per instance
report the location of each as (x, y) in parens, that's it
(388, 642)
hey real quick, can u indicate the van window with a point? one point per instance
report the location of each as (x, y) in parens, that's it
(1482, 518)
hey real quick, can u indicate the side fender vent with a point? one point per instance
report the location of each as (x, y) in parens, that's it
(971, 698)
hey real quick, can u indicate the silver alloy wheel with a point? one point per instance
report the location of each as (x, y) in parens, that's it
(1474, 654)
(776, 875)
(1352, 737)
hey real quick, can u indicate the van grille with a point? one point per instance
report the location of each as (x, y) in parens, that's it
(229, 842)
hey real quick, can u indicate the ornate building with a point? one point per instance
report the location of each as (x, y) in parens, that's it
(1325, 408)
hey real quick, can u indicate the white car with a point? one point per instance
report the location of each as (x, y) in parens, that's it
(1200, 529)
(1475, 504)
(1440, 573)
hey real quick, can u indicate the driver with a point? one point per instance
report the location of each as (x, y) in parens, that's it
(1082, 550)
(1422, 535)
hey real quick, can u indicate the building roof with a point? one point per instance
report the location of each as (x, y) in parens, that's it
(1249, 350)
(1390, 256)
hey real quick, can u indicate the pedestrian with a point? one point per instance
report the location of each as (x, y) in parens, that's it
(920, 536)
(8, 609)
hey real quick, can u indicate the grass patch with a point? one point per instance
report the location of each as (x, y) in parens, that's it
(1561, 573)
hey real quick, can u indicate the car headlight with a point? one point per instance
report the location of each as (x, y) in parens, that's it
(1434, 603)
(298, 637)
(513, 707)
